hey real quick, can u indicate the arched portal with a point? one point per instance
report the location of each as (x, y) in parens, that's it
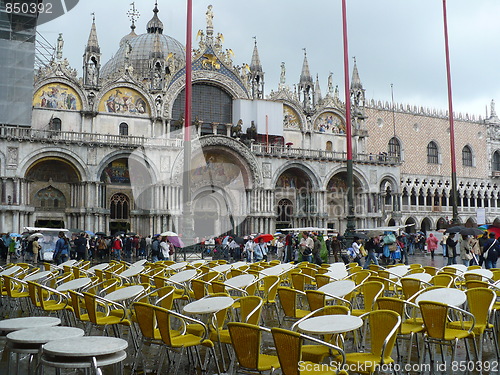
(52, 181)
(212, 214)
(294, 189)
(426, 225)
(441, 223)
(337, 204)
(410, 225)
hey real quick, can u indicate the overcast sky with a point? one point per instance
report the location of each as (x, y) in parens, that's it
(394, 41)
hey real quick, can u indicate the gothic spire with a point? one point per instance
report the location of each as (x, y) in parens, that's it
(93, 43)
(305, 75)
(317, 91)
(155, 25)
(355, 82)
(255, 65)
(133, 14)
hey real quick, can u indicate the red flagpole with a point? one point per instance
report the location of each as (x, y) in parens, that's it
(450, 115)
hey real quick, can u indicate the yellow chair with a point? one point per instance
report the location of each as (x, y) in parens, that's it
(78, 307)
(322, 280)
(150, 333)
(480, 302)
(410, 325)
(316, 299)
(368, 294)
(289, 347)
(52, 301)
(470, 284)
(247, 339)
(289, 301)
(384, 325)
(17, 292)
(437, 330)
(302, 281)
(95, 304)
(412, 286)
(181, 342)
(431, 270)
(442, 279)
(200, 288)
(268, 292)
(360, 277)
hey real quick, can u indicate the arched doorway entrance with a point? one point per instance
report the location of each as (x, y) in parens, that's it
(410, 225)
(441, 223)
(294, 189)
(336, 200)
(425, 226)
(52, 180)
(126, 187)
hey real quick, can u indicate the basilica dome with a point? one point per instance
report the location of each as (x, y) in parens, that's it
(137, 51)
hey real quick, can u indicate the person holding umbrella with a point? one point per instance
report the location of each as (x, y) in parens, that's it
(451, 246)
(260, 250)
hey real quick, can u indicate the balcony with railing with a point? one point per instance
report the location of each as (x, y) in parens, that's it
(63, 137)
(299, 153)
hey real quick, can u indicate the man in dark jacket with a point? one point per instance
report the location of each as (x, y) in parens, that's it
(81, 247)
(491, 250)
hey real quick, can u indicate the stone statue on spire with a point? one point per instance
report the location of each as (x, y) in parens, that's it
(330, 83)
(283, 74)
(210, 17)
(59, 48)
(493, 113)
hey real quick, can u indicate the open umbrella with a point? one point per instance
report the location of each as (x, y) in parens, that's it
(169, 234)
(374, 233)
(15, 235)
(90, 233)
(455, 229)
(100, 234)
(471, 231)
(239, 240)
(265, 237)
(491, 229)
(35, 235)
(176, 241)
(76, 230)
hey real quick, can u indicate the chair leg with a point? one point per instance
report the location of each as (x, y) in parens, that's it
(495, 339)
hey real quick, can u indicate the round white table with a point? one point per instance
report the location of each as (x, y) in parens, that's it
(240, 281)
(15, 324)
(183, 276)
(123, 294)
(87, 346)
(419, 276)
(68, 263)
(221, 268)
(337, 271)
(30, 341)
(37, 276)
(481, 272)
(178, 266)
(330, 324)
(132, 271)
(100, 266)
(10, 271)
(398, 271)
(74, 284)
(208, 305)
(238, 264)
(85, 352)
(338, 288)
(139, 263)
(42, 335)
(449, 296)
(277, 270)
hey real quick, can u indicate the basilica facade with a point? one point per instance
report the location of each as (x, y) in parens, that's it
(105, 151)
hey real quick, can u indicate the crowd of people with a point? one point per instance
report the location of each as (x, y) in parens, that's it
(292, 247)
